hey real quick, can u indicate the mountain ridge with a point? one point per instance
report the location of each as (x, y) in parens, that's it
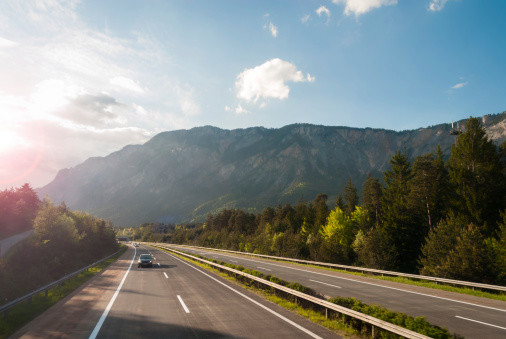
(183, 175)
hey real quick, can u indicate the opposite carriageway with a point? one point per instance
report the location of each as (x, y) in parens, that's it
(467, 315)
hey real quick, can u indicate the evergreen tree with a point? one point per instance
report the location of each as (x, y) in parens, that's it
(371, 198)
(340, 202)
(499, 246)
(422, 188)
(471, 259)
(321, 210)
(403, 235)
(438, 244)
(477, 174)
(350, 197)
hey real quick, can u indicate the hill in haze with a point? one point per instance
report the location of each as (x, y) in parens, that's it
(186, 174)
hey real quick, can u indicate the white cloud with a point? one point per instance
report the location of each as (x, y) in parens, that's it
(305, 18)
(358, 7)
(273, 29)
(323, 10)
(7, 43)
(240, 110)
(268, 80)
(437, 5)
(126, 83)
(459, 85)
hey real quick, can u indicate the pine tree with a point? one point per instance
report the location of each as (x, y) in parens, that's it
(340, 202)
(422, 187)
(477, 174)
(438, 244)
(471, 259)
(321, 210)
(350, 197)
(371, 197)
(403, 235)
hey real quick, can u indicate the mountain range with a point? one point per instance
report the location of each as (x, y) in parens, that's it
(184, 175)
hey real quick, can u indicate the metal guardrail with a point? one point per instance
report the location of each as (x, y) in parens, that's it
(437, 280)
(6, 307)
(373, 322)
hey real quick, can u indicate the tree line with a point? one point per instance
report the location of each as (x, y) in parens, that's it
(63, 242)
(434, 216)
(18, 208)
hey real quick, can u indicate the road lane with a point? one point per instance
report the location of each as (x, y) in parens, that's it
(76, 315)
(187, 303)
(439, 307)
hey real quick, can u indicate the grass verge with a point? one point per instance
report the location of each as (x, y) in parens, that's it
(24, 312)
(336, 322)
(428, 284)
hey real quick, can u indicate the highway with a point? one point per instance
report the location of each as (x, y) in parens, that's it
(470, 316)
(174, 299)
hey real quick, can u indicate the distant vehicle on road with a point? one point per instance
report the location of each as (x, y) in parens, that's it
(145, 260)
(136, 244)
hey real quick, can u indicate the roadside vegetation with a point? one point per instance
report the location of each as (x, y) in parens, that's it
(333, 321)
(18, 208)
(433, 216)
(63, 242)
(22, 313)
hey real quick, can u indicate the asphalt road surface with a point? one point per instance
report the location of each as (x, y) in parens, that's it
(470, 316)
(174, 299)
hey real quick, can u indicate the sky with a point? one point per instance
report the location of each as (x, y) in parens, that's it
(85, 78)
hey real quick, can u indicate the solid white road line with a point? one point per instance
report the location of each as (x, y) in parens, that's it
(165, 274)
(368, 283)
(263, 268)
(305, 330)
(182, 304)
(481, 322)
(100, 322)
(324, 283)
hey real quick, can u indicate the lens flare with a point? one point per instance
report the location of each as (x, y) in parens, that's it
(24, 173)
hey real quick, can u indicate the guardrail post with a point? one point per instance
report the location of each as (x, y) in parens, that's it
(326, 313)
(372, 331)
(30, 300)
(46, 291)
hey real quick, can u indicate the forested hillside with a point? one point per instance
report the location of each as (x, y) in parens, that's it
(182, 176)
(434, 216)
(63, 242)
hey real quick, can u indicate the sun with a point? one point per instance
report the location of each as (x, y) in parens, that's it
(19, 156)
(9, 139)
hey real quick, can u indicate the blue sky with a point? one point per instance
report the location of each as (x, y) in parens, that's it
(85, 78)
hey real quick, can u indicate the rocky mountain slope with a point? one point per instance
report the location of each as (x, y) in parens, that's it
(184, 175)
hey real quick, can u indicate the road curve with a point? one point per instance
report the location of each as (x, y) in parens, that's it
(172, 299)
(470, 316)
